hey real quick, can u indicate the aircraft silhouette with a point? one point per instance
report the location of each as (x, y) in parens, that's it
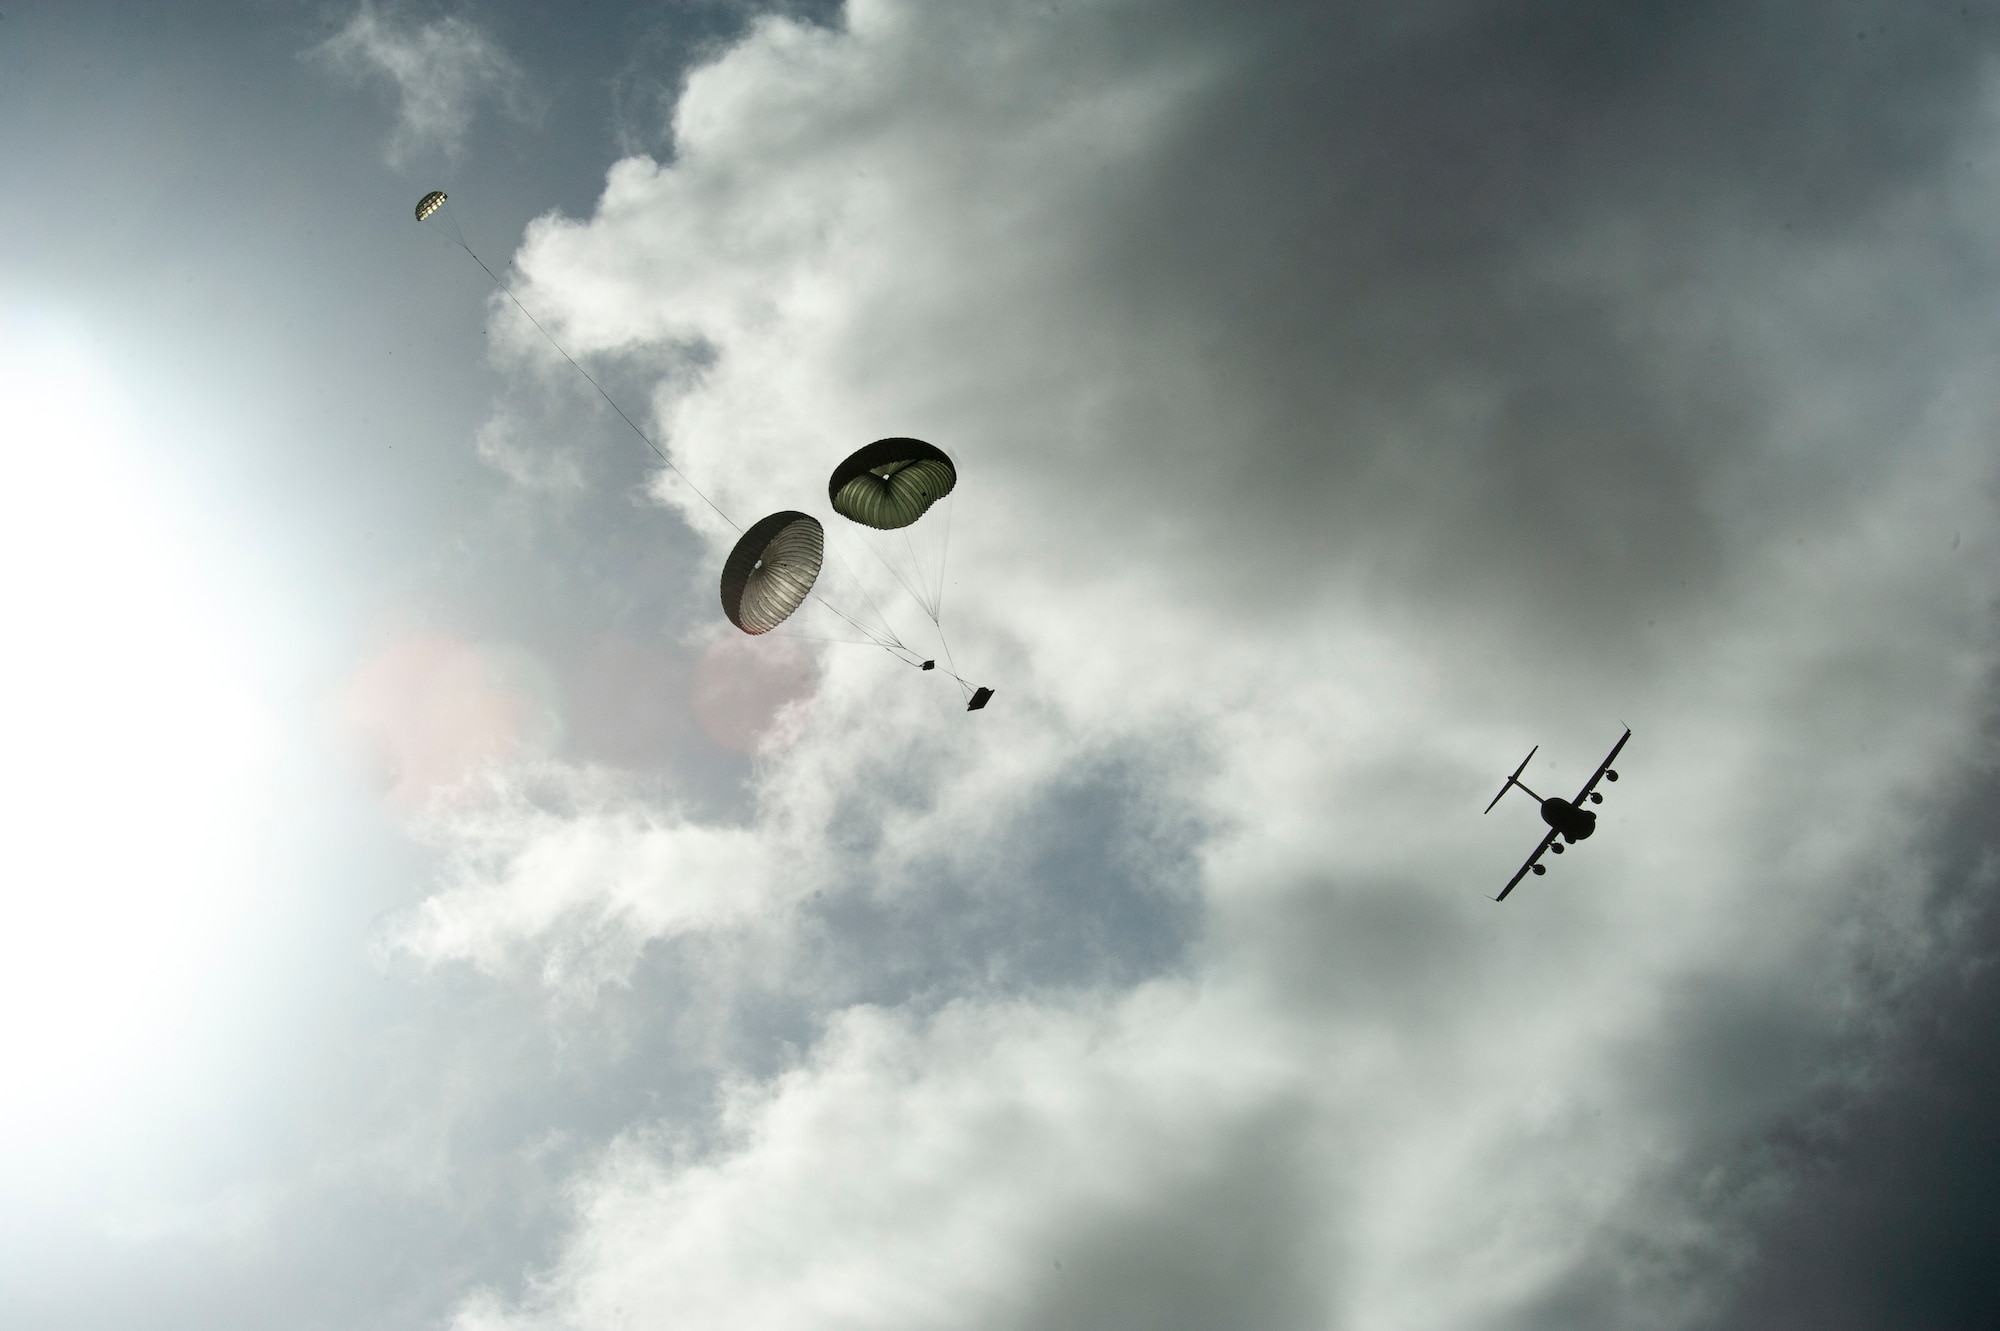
(1567, 819)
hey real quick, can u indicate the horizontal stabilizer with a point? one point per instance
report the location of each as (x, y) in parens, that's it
(1509, 784)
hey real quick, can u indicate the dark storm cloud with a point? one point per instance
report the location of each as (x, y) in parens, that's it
(1867, 1203)
(1894, 1220)
(1893, 1211)
(1393, 222)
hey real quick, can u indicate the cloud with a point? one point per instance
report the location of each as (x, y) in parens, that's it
(442, 71)
(1343, 401)
(595, 884)
(1893, 1215)
(501, 446)
(975, 1121)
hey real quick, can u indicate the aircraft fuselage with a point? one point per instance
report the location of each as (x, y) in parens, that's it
(1575, 824)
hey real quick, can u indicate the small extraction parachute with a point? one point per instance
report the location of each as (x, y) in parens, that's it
(772, 570)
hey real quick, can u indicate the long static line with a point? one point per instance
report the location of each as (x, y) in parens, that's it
(459, 236)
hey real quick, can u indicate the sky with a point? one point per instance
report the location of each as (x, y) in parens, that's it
(426, 911)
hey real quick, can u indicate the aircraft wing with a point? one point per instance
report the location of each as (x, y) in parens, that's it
(1602, 768)
(1522, 872)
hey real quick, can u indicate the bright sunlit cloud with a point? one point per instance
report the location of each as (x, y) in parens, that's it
(133, 743)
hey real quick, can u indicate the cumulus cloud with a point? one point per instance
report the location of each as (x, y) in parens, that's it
(977, 1121)
(441, 71)
(1344, 401)
(594, 876)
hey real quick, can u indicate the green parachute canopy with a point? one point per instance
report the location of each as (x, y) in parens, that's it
(429, 204)
(772, 570)
(891, 483)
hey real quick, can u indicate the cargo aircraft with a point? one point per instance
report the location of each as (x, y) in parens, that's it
(1567, 819)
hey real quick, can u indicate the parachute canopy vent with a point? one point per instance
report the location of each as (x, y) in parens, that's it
(891, 482)
(772, 570)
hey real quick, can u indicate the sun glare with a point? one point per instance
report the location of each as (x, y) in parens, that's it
(132, 745)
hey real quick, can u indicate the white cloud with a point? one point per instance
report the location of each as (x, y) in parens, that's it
(442, 71)
(976, 1121)
(557, 471)
(594, 886)
(1341, 594)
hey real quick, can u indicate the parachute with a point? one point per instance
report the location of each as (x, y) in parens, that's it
(429, 204)
(891, 483)
(886, 488)
(772, 570)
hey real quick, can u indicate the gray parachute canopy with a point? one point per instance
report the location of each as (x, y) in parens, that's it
(429, 204)
(891, 482)
(772, 570)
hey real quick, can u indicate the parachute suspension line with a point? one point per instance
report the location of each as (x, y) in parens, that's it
(846, 642)
(645, 438)
(964, 685)
(897, 574)
(937, 600)
(450, 224)
(922, 575)
(889, 643)
(887, 639)
(934, 606)
(951, 666)
(944, 558)
(892, 643)
(931, 604)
